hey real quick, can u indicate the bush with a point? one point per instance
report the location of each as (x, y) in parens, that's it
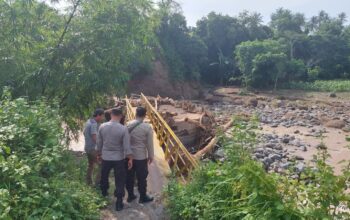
(239, 188)
(34, 182)
(322, 85)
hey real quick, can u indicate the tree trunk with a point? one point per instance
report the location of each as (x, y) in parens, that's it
(276, 80)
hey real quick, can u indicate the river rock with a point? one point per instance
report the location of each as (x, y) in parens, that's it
(346, 129)
(238, 102)
(335, 124)
(267, 161)
(253, 102)
(259, 155)
(270, 145)
(299, 157)
(321, 146)
(299, 167)
(278, 147)
(285, 140)
(220, 153)
(275, 157)
(303, 148)
(285, 165)
(274, 125)
(259, 150)
(295, 176)
(333, 95)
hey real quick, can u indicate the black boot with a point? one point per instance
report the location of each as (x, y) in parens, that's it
(146, 198)
(104, 194)
(115, 193)
(131, 197)
(119, 204)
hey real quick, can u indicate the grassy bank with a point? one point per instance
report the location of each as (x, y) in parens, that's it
(322, 85)
(239, 188)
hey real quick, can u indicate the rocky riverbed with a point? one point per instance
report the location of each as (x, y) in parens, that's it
(292, 126)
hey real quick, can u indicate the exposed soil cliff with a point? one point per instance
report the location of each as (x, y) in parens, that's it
(159, 82)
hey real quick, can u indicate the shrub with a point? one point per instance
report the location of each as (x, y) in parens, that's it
(322, 85)
(35, 183)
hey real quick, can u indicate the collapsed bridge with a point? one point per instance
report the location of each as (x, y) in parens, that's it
(184, 141)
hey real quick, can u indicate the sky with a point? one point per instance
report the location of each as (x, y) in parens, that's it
(196, 9)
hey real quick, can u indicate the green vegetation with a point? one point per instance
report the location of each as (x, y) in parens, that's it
(65, 64)
(79, 56)
(264, 63)
(184, 52)
(35, 184)
(239, 188)
(242, 50)
(322, 85)
(76, 58)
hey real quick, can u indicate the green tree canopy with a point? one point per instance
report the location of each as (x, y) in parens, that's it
(75, 58)
(264, 63)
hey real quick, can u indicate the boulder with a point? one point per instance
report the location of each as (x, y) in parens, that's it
(267, 161)
(259, 155)
(335, 124)
(299, 157)
(275, 157)
(332, 95)
(252, 102)
(285, 140)
(238, 102)
(321, 146)
(259, 150)
(275, 125)
(278, 103)
(220, 153)
(285, 165)
(270, 145)
(208, 97)
(299, 167)
(278, 147)
(346, 129)
(303, 148)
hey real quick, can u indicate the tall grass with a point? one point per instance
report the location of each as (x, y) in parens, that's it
(239, 188)
(322, 85)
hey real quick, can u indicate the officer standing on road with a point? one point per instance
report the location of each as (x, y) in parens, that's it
(141, 141)
(113, 144)
(90, 133)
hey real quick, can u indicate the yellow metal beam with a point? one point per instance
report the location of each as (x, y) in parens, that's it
(180, 160)
(165, 128)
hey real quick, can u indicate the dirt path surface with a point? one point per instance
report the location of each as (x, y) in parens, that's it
(158, 174)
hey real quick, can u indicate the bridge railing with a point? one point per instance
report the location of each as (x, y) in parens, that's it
(130, 114)
(180, 160)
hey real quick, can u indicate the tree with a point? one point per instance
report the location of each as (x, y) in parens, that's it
(76, 58)
(252, 22)
(289, 27)
(183, 51)
(264, 63)
(221, 34)
(327, 47)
